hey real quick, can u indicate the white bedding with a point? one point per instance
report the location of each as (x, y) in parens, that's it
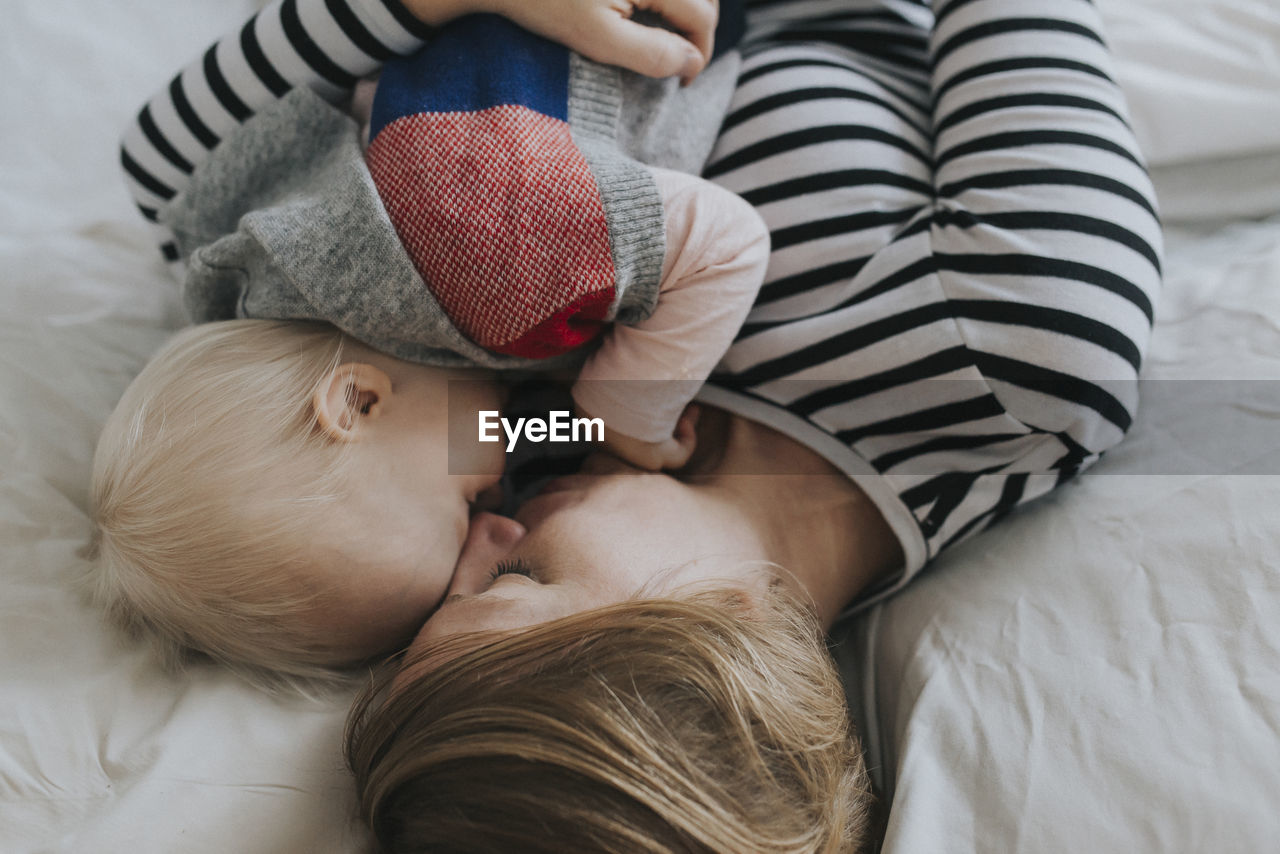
(1100, 673)
(1203, 80)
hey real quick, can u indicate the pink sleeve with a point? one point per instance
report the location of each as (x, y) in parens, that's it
(642, 376)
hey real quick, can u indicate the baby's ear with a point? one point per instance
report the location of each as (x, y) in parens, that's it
(349, 394)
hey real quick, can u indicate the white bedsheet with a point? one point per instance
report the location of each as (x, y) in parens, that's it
(1099, 674)
(99, 751)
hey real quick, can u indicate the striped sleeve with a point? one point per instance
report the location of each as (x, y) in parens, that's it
(327, 45)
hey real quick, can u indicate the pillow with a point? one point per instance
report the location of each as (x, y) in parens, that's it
(1203, 82)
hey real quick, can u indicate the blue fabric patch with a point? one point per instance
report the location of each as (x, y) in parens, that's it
(474, 63)
(730, 26)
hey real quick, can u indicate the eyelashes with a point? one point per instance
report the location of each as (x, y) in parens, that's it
(518, 566)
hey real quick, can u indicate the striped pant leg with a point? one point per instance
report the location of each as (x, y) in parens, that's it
(966, 250)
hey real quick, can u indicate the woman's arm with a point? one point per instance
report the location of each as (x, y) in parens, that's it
(328, 45)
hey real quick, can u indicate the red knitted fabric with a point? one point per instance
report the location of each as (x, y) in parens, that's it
(502, 218)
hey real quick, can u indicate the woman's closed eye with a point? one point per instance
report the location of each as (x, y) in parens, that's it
(516, 566)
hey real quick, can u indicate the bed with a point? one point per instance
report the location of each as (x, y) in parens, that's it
(1099, 673)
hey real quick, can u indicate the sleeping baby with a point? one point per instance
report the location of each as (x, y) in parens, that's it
(278, 488)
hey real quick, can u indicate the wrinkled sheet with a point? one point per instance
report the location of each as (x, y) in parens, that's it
(1099, 673)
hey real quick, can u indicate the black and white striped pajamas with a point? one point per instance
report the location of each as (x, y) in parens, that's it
(965, 246)
(965, 250)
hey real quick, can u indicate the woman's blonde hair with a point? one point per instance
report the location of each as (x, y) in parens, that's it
(206, 480)
(664, 725)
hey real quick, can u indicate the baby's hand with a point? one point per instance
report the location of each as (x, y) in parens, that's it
(603, 30)
(669, 453)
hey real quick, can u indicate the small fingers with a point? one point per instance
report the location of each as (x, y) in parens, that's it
(651, 51)
(684, 441)
(694, 19)
(641, 456)
(675, 454)
(686, 432)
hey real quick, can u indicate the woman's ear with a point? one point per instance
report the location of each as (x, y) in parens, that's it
(349, 394)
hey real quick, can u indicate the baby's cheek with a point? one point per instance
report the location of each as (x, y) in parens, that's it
(491, 461)
(409, 609)
(474, 441)
(480, 463)
(439, 555)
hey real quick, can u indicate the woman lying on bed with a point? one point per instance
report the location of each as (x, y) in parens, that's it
(958, 296)
(965, 255)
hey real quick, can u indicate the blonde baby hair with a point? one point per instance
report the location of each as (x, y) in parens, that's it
(653, 726)
(207, 478)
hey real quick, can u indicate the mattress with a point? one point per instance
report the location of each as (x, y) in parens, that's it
(1097, 673)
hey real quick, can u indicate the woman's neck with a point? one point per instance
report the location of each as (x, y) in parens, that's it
(811, 519)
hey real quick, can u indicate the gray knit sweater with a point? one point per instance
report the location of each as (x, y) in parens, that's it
(284, 221)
